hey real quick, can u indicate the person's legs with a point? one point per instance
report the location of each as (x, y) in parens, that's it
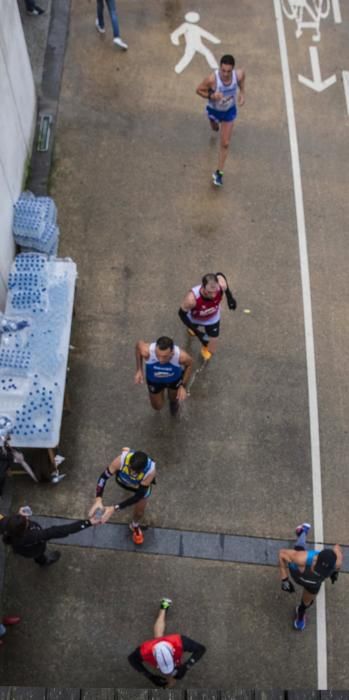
(212, 346)
(306, 602)
(157, 400)
(174, 403)
(32, 8)
(100, 13)
(301, 532)
(225, 136)
(138, 511)
(45, 559)
(160, 622)
(113, 17)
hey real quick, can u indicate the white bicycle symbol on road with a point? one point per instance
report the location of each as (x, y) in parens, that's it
(314, 11)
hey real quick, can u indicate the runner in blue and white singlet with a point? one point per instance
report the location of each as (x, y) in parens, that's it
(224, 89)
(224, 109)
(166, 367)
(163, 373)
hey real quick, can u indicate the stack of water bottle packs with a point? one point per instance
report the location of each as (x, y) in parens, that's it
(34, 341)
(35, 223)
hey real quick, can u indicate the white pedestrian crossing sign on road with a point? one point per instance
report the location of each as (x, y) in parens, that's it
(193, 35)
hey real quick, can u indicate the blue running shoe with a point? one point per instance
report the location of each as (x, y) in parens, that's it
(299, 624)
(217, 178)
(304, 527)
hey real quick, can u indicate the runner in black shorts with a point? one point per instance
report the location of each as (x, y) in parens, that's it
(309, 569)
(166, 367)
(200, 310)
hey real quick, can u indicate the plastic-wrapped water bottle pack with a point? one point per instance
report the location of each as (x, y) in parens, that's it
(36, 415)
(30, 262)
(34, 223)
(34, 344)
(15, 361)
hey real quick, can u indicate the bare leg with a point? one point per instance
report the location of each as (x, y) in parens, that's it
(160, 624)
(226, 131)
(308, 598)
(157, 400)
(138, 511)
(212, 346)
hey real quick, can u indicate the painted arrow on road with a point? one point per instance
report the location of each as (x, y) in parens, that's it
(317, 83)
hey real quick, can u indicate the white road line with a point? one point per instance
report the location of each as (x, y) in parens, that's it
(336, 8)
(309, 343)
(345, 74)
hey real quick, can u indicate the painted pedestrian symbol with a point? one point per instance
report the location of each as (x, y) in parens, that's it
(307, 14)
(193, 35)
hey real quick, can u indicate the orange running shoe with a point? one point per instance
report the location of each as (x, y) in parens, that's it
(206, 354)
(137, 535)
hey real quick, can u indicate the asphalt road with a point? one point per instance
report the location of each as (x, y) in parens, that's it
(132, 179)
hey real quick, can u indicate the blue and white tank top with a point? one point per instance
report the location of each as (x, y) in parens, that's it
(163, 372)
(229, 93)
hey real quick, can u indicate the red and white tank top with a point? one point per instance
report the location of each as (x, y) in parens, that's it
(206, 311)
(174, 640)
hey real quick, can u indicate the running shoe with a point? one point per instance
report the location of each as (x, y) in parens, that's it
(165, 603)
(137, 534)
(217, 178)
(304, 527)
(36, 11)
(206, 354)
(190, 332)
(100, 29)
(119, 42)
(299, 623)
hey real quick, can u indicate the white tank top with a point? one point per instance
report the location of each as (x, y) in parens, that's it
(229, 93)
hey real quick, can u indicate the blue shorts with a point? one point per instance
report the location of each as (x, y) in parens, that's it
(218, 116)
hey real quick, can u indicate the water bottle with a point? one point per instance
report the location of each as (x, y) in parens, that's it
(98, 514)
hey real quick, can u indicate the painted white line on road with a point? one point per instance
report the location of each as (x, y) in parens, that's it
(345, 74)
(336, 9)
(317, 83)
(309, 343)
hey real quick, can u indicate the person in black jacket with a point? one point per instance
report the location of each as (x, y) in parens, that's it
(29, 539)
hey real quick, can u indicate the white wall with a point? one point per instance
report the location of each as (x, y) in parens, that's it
(17, 123)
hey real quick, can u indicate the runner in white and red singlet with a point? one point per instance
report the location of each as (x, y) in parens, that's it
(200, 310)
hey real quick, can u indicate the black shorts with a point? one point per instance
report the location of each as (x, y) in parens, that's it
(212, 330)
(157, 387)
(310, 587)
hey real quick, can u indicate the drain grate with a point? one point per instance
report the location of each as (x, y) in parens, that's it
(44, 132)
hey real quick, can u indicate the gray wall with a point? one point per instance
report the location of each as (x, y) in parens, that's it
(17, 122)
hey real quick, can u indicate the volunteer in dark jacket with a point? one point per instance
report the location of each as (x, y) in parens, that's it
(29, 539)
